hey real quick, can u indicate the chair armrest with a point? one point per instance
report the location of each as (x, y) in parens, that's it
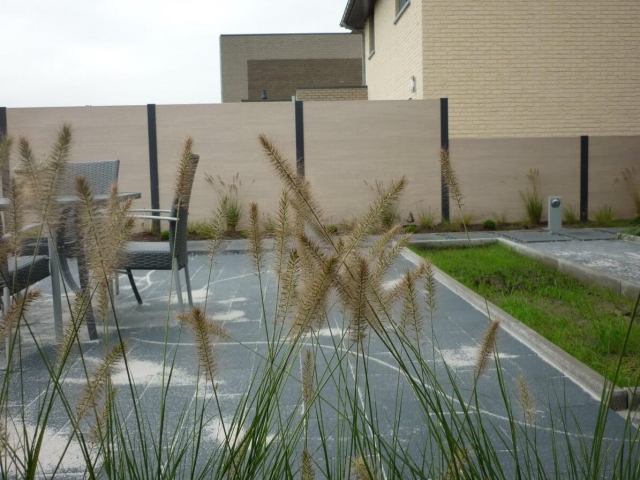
(26, 228)
(153, 217)
(150, 210)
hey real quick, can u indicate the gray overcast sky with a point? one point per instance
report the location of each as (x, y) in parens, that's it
(122, 52)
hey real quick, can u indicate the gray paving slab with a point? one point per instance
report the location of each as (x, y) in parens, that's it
(229, 291)
(618, 258)
(588, 234)
(614, 229)
(472, 235)
(526, 236)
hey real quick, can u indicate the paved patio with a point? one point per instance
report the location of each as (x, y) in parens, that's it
(235, 303)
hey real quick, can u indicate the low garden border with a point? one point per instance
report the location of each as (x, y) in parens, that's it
(591, 381)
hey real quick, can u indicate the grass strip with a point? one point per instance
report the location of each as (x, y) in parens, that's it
(588, 322)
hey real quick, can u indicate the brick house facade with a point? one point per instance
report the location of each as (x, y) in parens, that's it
(281, 64)
(509, 67)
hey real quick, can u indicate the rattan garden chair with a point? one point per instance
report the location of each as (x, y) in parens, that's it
(16, 274)
(162, 255)
(100, 176)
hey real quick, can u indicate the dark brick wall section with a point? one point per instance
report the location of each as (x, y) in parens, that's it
(281, 78)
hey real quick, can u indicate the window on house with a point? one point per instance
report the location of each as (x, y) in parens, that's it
(372, 34)
(400, 4)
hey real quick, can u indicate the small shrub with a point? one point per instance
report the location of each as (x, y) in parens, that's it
(230, 207)
(633, 186)
(604, 216)
(333, 229)
(532, 199)
(569, 215)
(201, 229)
(268, 225)
(501, 219)
(459, 222)
(243, 234)
(636, 221)
(390, 215)
(427, 219)
(489, 225)
(410, 228)
(164, 235)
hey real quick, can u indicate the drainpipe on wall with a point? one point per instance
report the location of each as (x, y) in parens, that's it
(364, 58)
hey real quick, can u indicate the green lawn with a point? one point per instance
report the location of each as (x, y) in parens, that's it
(589, 323)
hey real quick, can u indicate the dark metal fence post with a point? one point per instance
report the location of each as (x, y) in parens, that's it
(153, 164)
(5, 168)
(584, 178)
(444, 144)
(299, 138)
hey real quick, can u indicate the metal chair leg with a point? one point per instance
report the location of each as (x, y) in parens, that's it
(6, 302)
(56, 291)
(133, 287)
(187, 280)
(178, 288)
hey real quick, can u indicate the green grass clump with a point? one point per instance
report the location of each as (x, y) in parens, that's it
(489, 225)
(632, 185)
(569, 215)
(201, 229)
(410, 228)
(532, 199)
(589, 323)
(604, 216)
(164, 235)
(230, 206)
(427, 219)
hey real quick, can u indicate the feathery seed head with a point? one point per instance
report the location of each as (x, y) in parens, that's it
(307, 466)
(299, 191)
(307, 379)
(100, 379)
(17, 311)
(204, 330)
(186, 173)
(450, 177)
(5, 151)
(526, 401)
(362, 470)
(486, 349)
(255, 236)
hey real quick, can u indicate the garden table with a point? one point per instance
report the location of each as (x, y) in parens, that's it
(56, 259)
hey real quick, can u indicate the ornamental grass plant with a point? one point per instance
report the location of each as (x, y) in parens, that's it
(339, 426)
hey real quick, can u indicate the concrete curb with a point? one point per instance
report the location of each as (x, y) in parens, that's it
(591, 381)
(585, 275)
(628, 238)
(447, 243)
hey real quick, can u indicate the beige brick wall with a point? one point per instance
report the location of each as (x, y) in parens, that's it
(281, 78)
(331, 94)
(350, 145)
(492, 173)
(236, 50)
(534, 68)
(608, 157)
(398, 52)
